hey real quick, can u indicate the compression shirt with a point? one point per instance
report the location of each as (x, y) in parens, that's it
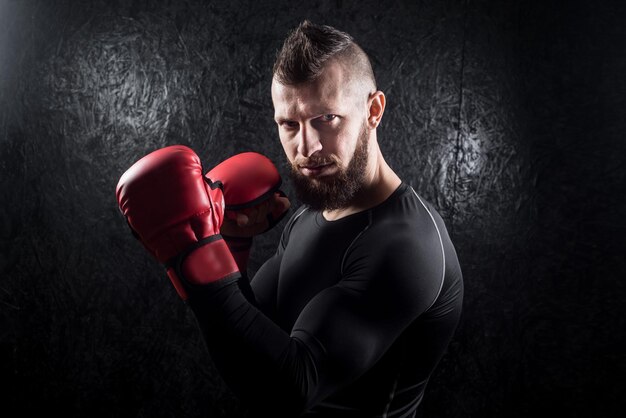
(348, 318)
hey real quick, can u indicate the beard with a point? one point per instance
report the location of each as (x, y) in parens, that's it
(336, 191)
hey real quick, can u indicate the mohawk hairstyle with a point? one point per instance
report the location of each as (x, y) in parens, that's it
(309, 47)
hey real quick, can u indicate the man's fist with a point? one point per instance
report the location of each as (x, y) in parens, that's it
(253, 200)
(177, 213)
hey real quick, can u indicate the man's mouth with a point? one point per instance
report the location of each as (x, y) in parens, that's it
(314, 170)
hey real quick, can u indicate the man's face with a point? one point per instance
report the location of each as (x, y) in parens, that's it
(323, 129)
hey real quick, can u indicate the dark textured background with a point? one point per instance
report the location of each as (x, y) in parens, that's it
(508, 115)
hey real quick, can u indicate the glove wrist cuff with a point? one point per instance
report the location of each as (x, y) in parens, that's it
(207, 261)
(240, 248)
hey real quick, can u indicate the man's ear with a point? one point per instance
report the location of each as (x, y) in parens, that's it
(376, 108)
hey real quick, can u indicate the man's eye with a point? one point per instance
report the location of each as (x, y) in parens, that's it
(329, 117)
(289, 124)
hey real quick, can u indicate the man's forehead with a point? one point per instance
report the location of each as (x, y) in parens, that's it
(310, 98)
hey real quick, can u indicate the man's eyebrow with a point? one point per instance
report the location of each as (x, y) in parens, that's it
(317, 113)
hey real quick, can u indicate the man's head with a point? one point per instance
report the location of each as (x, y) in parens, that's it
(327, 109)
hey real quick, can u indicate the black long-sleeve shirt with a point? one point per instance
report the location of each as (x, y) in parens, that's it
(348, 318)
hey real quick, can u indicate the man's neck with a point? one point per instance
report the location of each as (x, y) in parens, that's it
(380, 183)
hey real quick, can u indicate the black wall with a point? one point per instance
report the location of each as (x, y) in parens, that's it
(508, 115)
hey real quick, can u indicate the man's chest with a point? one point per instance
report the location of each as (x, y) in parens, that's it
(312, 261)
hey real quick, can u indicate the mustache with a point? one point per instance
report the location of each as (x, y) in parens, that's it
(314, 161)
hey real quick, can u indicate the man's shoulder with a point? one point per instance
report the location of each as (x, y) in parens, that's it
(405, 208)
(404, 225)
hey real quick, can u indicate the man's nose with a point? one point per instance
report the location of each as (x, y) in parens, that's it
(309, 141)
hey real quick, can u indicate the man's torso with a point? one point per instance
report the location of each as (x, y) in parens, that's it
(316, 254)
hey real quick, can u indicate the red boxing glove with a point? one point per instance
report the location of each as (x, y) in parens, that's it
(176, 213)
(248, 180)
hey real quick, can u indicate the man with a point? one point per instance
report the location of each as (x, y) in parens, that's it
(351, 315)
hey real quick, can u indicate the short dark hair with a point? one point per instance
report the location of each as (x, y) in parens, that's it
(309, 47)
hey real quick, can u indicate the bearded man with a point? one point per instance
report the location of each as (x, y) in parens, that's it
(352, 314)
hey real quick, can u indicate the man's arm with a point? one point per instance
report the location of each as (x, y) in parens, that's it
(340, 334)
(388, 280)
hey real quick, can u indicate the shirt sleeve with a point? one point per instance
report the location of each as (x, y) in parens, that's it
(264, 284)
(339, 335)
